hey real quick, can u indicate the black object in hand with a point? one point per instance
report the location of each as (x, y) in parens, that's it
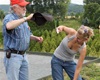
(41, 18)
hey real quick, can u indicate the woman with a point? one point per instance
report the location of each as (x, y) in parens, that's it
(63, 58)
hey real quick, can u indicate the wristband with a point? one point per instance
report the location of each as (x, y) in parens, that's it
(25, 18)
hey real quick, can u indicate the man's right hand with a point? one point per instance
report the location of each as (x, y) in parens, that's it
(29, 17)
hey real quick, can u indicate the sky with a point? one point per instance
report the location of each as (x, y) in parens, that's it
(72, 1)
(4, 1)
(77, 2)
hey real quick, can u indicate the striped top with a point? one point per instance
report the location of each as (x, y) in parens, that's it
(64, 53)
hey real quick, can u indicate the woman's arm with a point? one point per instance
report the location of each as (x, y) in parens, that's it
(67, 30)
(79, 64)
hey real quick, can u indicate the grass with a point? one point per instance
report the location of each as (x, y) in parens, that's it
(0, 25)
(1, 44)
(89, 72)
(71, 23)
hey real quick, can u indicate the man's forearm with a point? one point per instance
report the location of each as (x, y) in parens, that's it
(35, 38)
(15, 23)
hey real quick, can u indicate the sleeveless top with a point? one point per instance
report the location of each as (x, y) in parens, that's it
(64, 53)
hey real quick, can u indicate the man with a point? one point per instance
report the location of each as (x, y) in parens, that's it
(16, 33)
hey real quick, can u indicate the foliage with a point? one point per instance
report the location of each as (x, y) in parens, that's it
(52, 39)
(91, 72)
(0, 25)
(96, 18)
(73, 23)
(74, 8)
(49, 6)
(1, 40)
(93, 46)
(91, 1)
(91, 12)
(1, 15)
(70, 8)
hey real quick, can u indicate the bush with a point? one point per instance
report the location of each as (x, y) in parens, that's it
(52, 39)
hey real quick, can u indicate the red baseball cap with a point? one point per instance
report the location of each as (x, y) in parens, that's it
(19, 2)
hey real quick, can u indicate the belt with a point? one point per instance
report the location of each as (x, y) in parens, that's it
(17, 52)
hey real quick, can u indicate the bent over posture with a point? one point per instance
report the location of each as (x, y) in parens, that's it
(63, 58)
(17, 35)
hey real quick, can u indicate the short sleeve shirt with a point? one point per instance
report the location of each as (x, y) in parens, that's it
(18, 38)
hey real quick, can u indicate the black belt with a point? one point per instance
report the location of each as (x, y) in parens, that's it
(17, 52)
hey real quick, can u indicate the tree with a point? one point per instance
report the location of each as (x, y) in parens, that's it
(54, 7)
(91, 1)
(96, 18)
(72, 14)
(89, 12)
(85, 21)
(1, 15)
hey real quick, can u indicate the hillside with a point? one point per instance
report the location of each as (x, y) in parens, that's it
(74, 8)
(5, 8)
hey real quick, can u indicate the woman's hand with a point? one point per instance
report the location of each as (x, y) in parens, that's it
(67, 30)
(59, 29)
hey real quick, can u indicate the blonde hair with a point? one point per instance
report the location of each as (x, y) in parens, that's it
(85, 31)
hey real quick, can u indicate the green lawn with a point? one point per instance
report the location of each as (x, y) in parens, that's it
(73, 23)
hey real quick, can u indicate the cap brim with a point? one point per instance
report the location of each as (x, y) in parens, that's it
(24, 3)
(47, 17)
